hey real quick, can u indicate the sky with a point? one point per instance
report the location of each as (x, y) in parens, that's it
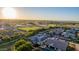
(47, 13)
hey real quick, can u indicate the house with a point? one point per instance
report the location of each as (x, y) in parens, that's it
(78, 34)
(58, 31)
(56, 44)
(69, 34)
(38, 38)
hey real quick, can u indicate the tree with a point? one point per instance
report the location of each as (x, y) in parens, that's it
(23, 45)
(6, 38)
(70, 47)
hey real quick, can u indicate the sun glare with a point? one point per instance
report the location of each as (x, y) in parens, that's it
(9, 13)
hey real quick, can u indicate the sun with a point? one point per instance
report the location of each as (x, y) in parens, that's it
(9, 13)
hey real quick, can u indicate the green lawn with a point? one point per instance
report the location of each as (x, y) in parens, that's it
(52, 25)
(29, 28)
